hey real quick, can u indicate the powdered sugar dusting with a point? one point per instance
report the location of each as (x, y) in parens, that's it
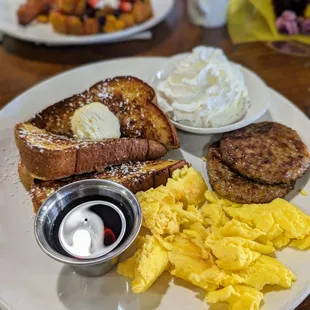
(42, 139)
(9, 179)
(9, 172)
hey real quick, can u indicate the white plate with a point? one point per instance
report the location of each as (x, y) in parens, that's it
(31, 280)
(258, 94)
(44, 34)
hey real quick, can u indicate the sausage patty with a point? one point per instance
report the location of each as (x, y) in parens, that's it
(268, 152)
(234, 187)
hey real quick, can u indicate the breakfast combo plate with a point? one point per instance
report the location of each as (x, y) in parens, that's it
(58, 22)
(105, 205)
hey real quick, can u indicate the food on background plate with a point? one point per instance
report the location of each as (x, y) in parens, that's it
(86, 17)
(225, 248)
(49, 146)
(204, 90)
(257, 163)
(30, 10)
(135, 176)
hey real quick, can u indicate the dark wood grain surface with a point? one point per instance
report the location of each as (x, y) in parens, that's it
(25, 64)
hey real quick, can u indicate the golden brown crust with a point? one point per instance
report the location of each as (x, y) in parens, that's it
(25, 176)
(159, 127)
(41, 162)
(135, 176)
(156, 150)
(49, 157)
(129, 98)
(49, 150)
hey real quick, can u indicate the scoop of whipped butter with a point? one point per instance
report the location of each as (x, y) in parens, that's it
(95, 122)
(204, 90)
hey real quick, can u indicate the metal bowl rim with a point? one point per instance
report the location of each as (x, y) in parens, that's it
(47, 249)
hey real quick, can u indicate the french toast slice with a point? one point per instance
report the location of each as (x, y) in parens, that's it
(130, 99)
(139, 176)
(49, 150)
(49, 156)
(25, 176)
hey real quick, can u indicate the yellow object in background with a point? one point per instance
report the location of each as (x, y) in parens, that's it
(255, 20)
(43, 19)
(307, 12)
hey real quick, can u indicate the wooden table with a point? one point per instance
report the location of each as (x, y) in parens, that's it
(25, 64)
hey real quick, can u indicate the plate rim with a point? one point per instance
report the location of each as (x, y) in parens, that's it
(304, 292)
(8, 29)
(5, 109)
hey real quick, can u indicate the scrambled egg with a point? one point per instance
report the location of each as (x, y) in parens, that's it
(239, 297)
(293, 222)
(146, 265)
(265, 270)
(235, 253)
(301, 244)
(168, 207)
(215, 244)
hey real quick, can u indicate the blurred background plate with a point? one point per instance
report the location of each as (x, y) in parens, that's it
(44, 34)
(291, 48)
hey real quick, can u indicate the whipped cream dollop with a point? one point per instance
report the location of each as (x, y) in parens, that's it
(204, 90)
(95, 122)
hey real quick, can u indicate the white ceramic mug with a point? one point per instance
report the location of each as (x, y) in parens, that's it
(208, 13)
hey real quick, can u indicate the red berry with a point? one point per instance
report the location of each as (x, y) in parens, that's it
(93, 3)
(109, 236)
(126, 6)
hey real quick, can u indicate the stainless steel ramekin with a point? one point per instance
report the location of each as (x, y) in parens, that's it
(64, 200)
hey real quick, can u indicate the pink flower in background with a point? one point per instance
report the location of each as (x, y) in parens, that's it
(289, 16)
(287, 23)
(305, 26)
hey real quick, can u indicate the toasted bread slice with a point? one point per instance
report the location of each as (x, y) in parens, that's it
(135, 176)
(25, 176)
(49, 156)
(130, 99)
(49, 150)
